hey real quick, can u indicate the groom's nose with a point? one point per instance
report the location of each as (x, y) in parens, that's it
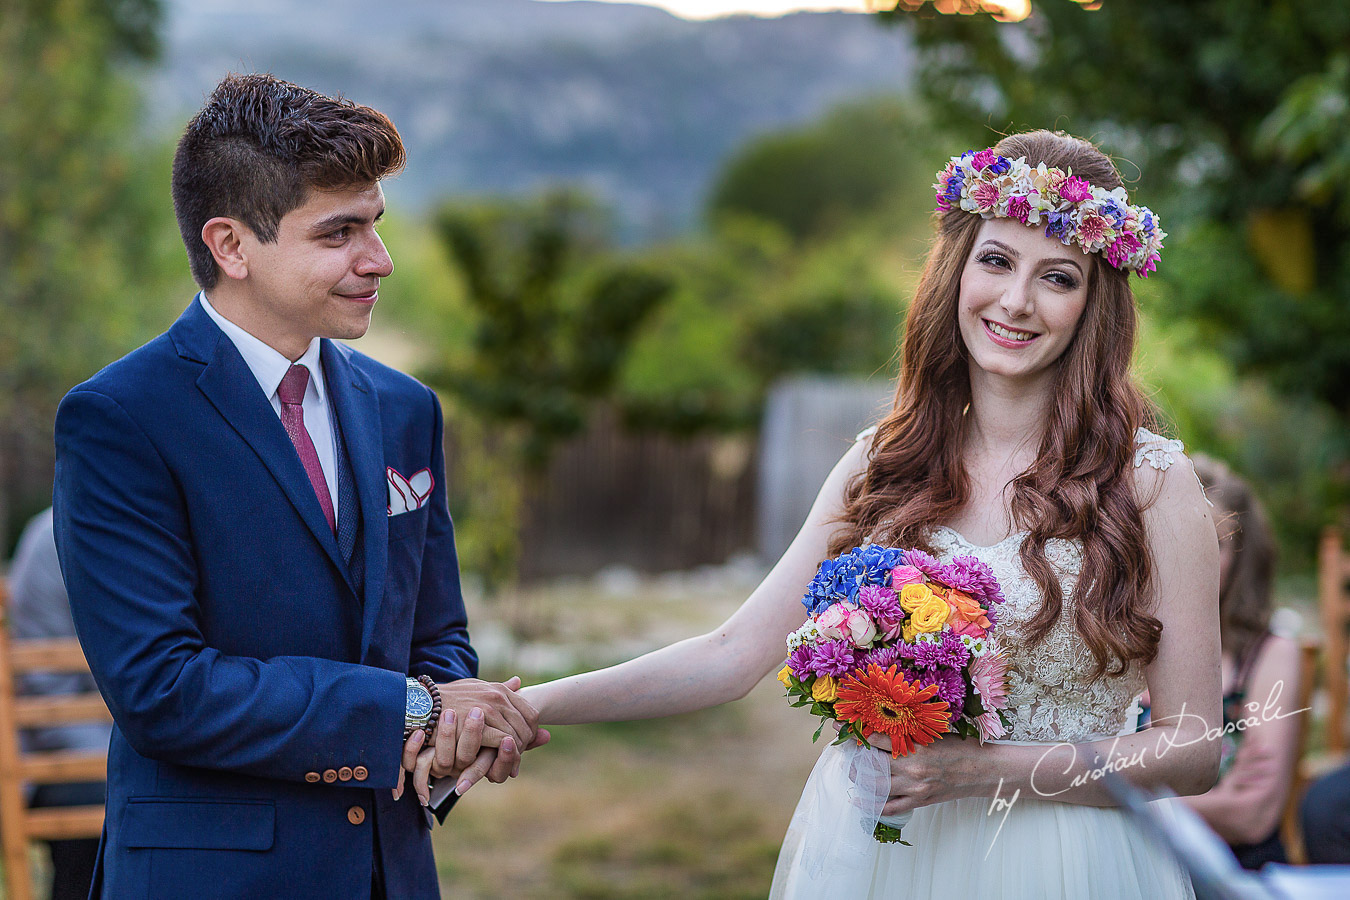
(375, 260)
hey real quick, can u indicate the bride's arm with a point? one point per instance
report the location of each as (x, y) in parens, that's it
(1176, 751)
(723, 664)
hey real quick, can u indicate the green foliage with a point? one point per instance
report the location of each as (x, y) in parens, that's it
(552, 318)
(815, 180)
(1231, 118)
(88, 245)
(544, 350)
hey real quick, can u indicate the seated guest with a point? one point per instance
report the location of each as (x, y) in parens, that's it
(1325, 819)
(1260, 674)
(39, 608)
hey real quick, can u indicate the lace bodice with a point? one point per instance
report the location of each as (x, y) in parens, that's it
(1051, 693)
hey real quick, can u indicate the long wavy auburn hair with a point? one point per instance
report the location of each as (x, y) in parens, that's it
(1081, 486)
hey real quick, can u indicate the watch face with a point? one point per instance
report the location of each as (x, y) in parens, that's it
(419, 702)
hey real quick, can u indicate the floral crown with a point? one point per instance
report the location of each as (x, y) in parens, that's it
(1074, 210)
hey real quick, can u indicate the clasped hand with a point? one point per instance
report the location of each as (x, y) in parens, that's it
(483, 730)
(941, 771)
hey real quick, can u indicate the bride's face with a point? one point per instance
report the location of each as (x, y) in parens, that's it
(1022, 296)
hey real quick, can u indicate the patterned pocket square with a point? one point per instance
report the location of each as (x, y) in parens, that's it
(408, 494)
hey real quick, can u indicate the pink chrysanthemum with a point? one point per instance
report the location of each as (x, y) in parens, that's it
(985, 195)
(970, 575)
(1093, 229)
(1019, 208)
(924, 562)
(989, 675)
(1075, 190)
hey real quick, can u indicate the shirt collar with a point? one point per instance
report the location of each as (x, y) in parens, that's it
(266, 364)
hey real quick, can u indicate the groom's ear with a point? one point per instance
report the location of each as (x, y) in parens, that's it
(224, 237)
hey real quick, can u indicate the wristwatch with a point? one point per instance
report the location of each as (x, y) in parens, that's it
(422, 708)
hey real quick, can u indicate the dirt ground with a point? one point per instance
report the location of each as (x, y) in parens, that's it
(687, 807)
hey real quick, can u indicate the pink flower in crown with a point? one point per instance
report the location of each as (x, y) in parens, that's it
(983, 159)
(985, 195)
(1075, 190)
(1123, 249)
(1054, 180)
(833, 622)
(1149, 267)
(1093, 231)
(1019, 208)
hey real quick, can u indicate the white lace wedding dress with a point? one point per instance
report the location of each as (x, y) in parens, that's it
(1044, 850)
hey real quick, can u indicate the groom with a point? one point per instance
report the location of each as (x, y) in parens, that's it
(253, 529)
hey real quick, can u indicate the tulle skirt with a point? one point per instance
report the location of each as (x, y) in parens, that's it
(1042, 850)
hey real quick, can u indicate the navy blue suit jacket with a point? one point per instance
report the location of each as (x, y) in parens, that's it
(227, 635)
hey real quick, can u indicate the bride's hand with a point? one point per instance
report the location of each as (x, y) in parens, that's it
(941, 771)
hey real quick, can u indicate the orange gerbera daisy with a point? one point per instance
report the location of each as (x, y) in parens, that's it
(885, 703)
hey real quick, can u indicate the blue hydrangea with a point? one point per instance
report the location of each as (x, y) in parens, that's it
(841, 578)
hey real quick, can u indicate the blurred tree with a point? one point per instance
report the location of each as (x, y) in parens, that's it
(815, 180)
(1235, 113)
(82, 230)
(554, 320)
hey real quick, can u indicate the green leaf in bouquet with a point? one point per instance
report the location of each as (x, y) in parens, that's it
(887, 834)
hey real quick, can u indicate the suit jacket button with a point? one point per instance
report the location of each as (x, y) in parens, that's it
(356, 815)
(360, 773)
(312, 777)
(345, 774)
(329, 776)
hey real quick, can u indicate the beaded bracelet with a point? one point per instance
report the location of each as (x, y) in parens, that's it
(432, 688)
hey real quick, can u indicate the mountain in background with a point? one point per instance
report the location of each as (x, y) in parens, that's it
(635, 105)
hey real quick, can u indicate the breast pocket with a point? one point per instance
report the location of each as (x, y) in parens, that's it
(411, 524)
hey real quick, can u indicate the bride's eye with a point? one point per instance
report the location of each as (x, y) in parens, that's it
(997, 260)
(1063, 279)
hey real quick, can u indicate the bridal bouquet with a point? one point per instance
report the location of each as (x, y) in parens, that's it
(900, 645)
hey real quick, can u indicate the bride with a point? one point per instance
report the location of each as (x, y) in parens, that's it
(1016, 436)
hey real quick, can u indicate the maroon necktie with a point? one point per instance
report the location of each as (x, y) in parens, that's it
(291, 392)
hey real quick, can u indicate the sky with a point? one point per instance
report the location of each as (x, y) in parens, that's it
(709, 9)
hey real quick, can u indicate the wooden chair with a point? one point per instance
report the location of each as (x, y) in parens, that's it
(1290, 832)
(18, 824)
(1333, 576)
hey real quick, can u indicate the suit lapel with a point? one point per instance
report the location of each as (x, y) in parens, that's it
(231, 388)
(358, 412)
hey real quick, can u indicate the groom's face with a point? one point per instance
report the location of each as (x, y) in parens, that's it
(321, 276)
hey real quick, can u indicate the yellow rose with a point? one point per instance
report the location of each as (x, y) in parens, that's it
(826, 689)
(912, 596)
(785, 676)
(931, 616)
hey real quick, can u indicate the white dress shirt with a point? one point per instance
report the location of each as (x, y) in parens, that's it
(269, 367)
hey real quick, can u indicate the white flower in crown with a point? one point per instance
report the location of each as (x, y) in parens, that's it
(1071, 209)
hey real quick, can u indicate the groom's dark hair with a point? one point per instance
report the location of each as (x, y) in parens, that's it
(259, 145)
